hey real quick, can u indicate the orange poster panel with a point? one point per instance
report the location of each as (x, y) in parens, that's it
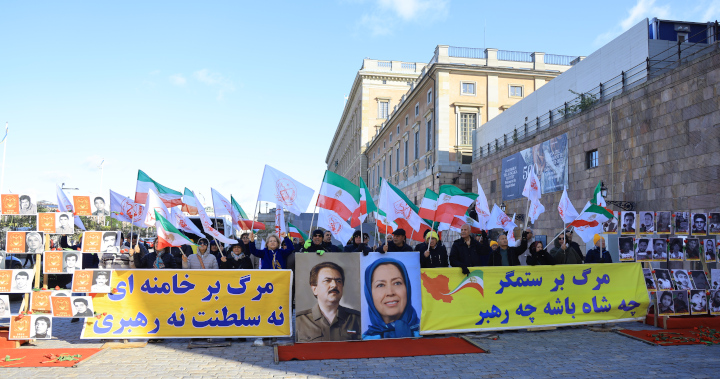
(46, 222)
(5, 280)
(20, 327)
(82, 205)
(10, 204)
(53, 262)
(40, 301)
(61, 306)
(91, 242)
(82, 281)
(15, 242)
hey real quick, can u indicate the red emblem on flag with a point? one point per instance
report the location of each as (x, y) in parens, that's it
(335, 225)
(533, 184)
(285, 191)
(402, 208)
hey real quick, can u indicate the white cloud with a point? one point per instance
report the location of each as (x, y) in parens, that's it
(178, 80)
(410, 10)
(215, 79)
(387, 14)
(92, 162)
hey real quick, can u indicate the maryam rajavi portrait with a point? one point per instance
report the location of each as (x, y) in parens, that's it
(390, 307)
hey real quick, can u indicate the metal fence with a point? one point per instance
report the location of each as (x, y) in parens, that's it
(654, 66)
(467, 52)
(564, 60)
(515, 56)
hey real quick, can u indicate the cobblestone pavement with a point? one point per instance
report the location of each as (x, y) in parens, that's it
(565, 352)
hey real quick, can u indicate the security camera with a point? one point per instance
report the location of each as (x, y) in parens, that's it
(437, 175)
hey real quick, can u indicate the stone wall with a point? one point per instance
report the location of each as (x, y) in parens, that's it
(658, 144)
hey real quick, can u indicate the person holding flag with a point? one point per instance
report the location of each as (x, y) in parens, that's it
(435, 255)
(315, 244)
(237, 259)
(272, 257)
(160, 258)
(563, 253)
(357, 245)
(398, 243)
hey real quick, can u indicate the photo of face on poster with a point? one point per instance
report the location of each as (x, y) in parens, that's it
(643, 253)
(649, 279)
(611, 225)
(659, 250)
(699, 224)
(109, 239)
(626, 249)
(699, 279)
(82, 306)
(665, 303)
(692, 249)
(72, 261)
(682, 280)
(698, 302)
(663, 222)
(629, 220)
(651, 307)
(682, 222)
(100, 206)
(710, 249)
(4, 306)
(715, 278)
(681, 303)
(34, 243)
(676, 249)
(714, 303)
(714, 223)
(647, 222)
(327, 298)
(22, 281)
(663, 279)
(41, 327)
(390, 307)
(27, 205)
(64, 223)
(101, 281)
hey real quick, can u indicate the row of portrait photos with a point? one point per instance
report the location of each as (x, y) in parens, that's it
(32, 242)
(674, 249)
(45, 305)
(83, 281)
(653, 223)
(26, 204)
(683, 292)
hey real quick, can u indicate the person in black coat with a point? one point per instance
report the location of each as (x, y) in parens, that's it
(315, 243)
(423, 246)
(569, 236)
(435, 254)
(236, 259)
(398, 243)
(178, 252)
(468, 252)
(150, 260)
(357, 246)
(539, 256)
(598, 254)
(508, 255)
(327, 242)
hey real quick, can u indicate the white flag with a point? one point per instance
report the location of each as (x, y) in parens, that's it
(262, 244)
(481, 206)
(567, 211)
(279, 188)
(123, 208)
(280, 226)
(498, 219)
(330, 220)
(153, 203)
(223, 207)
(532, 186)
(393, 202)
(182, 222)
(65, 205)
(207, 226)
(511, 235)
(536, 208)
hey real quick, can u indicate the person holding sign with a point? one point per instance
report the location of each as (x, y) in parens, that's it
(388, 294)
(435, 254)
(237, 259)
(203, 260)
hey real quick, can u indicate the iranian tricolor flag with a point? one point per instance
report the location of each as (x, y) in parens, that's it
(428, 205)
(384, 226)
(339, 195)
(367, 206)
(244, 222)
(168, 235)
(397, 206)
(458, 222)
(153, 203)
(590, 221)
(452, 202)
(169, 196)
(295, 232)
(189, 203)
(473, 280)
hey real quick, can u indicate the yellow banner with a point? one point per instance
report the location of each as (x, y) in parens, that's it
(193, 303)
(524, 297)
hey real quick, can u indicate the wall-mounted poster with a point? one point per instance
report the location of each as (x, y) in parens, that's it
(644, 250)
(699, 224)
(714, 223)
(629, 222)
(682, 222)
(664, 281)
(659, 252)
(676, 249)
(550, 159)
(647, 222)
(627, 249)
(663, 222)
(682, 280)
(25, 242)
(18, 204)
(709, 247)
(692, 249)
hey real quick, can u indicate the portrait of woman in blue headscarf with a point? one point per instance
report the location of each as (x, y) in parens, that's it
(388, 295)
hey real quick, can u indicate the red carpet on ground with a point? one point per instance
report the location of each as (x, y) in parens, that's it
(42, 357)
(694, 336)
(377, 349)
(684, 322)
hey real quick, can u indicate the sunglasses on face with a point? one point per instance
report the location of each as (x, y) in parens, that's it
(202, 243)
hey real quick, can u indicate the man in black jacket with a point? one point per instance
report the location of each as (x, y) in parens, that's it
(397, 244)
(327, 242)
(315, 244)
(574, 245)
(468, 252)
(357, 246)
(423, 246)
(508, 255)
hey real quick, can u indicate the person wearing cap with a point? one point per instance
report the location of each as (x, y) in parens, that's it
(494, 245)
(158, 259)
(423, 246)
(202, 260)
(397, 243)
(598, 254)
(357, 245)
(315, 244)
(468, 252)
(435, 254)
(237, 259)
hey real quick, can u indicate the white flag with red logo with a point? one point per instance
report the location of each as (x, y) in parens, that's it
(532, 186)
(124, 209)
(512, 242)
(65, 205)
(182, 222)
(279, 188)
(481, 206)
(280, 226)
(498, 219)
(536, 208)
(567, 211)
(153, 203)
(330, 220)
(396, 205)
(208, 228)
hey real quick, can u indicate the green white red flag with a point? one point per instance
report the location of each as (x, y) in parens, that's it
(189, 203)
(428, 205)
(153, 203)
(243, 221)
(590, 221)
(167, 234)
(295, 232)
(169, 196)
(339, 195)
(452, 202)
(367, 206)
(473, 280)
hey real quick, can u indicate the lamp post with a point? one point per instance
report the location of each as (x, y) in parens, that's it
(624, 205)
(502, 207)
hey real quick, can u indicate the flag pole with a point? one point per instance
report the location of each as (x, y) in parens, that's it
(252, 225)
(312, 220)
(2, 176)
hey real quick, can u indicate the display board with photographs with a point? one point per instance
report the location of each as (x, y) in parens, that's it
(659, 252)
(700, 280)
(629, 222)
(18, 204)
(666, 305)
(31, 327)
(40, 300)
(714, 302)
(692, 249)
(626, 247)
(646, 220)
(664, 280)
(73, 306)
(650, 283)
(682, 223)
(611, 225)
(29, 242)
(699, 224)
(709, 248)
(643, 249)
(16, 281)
(56, 223)
(715, 279)
(714, 223)
(676, 249)
(682, 279)
(91, 281)
(698, 302)
(100, 242)
(681, 302)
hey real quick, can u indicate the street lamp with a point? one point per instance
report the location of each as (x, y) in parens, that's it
(624, 205)
(502, 206)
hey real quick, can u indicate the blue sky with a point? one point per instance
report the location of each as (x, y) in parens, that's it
(201, 94)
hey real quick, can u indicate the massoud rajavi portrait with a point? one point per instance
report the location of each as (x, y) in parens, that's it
(328, 297)
(390, 307)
